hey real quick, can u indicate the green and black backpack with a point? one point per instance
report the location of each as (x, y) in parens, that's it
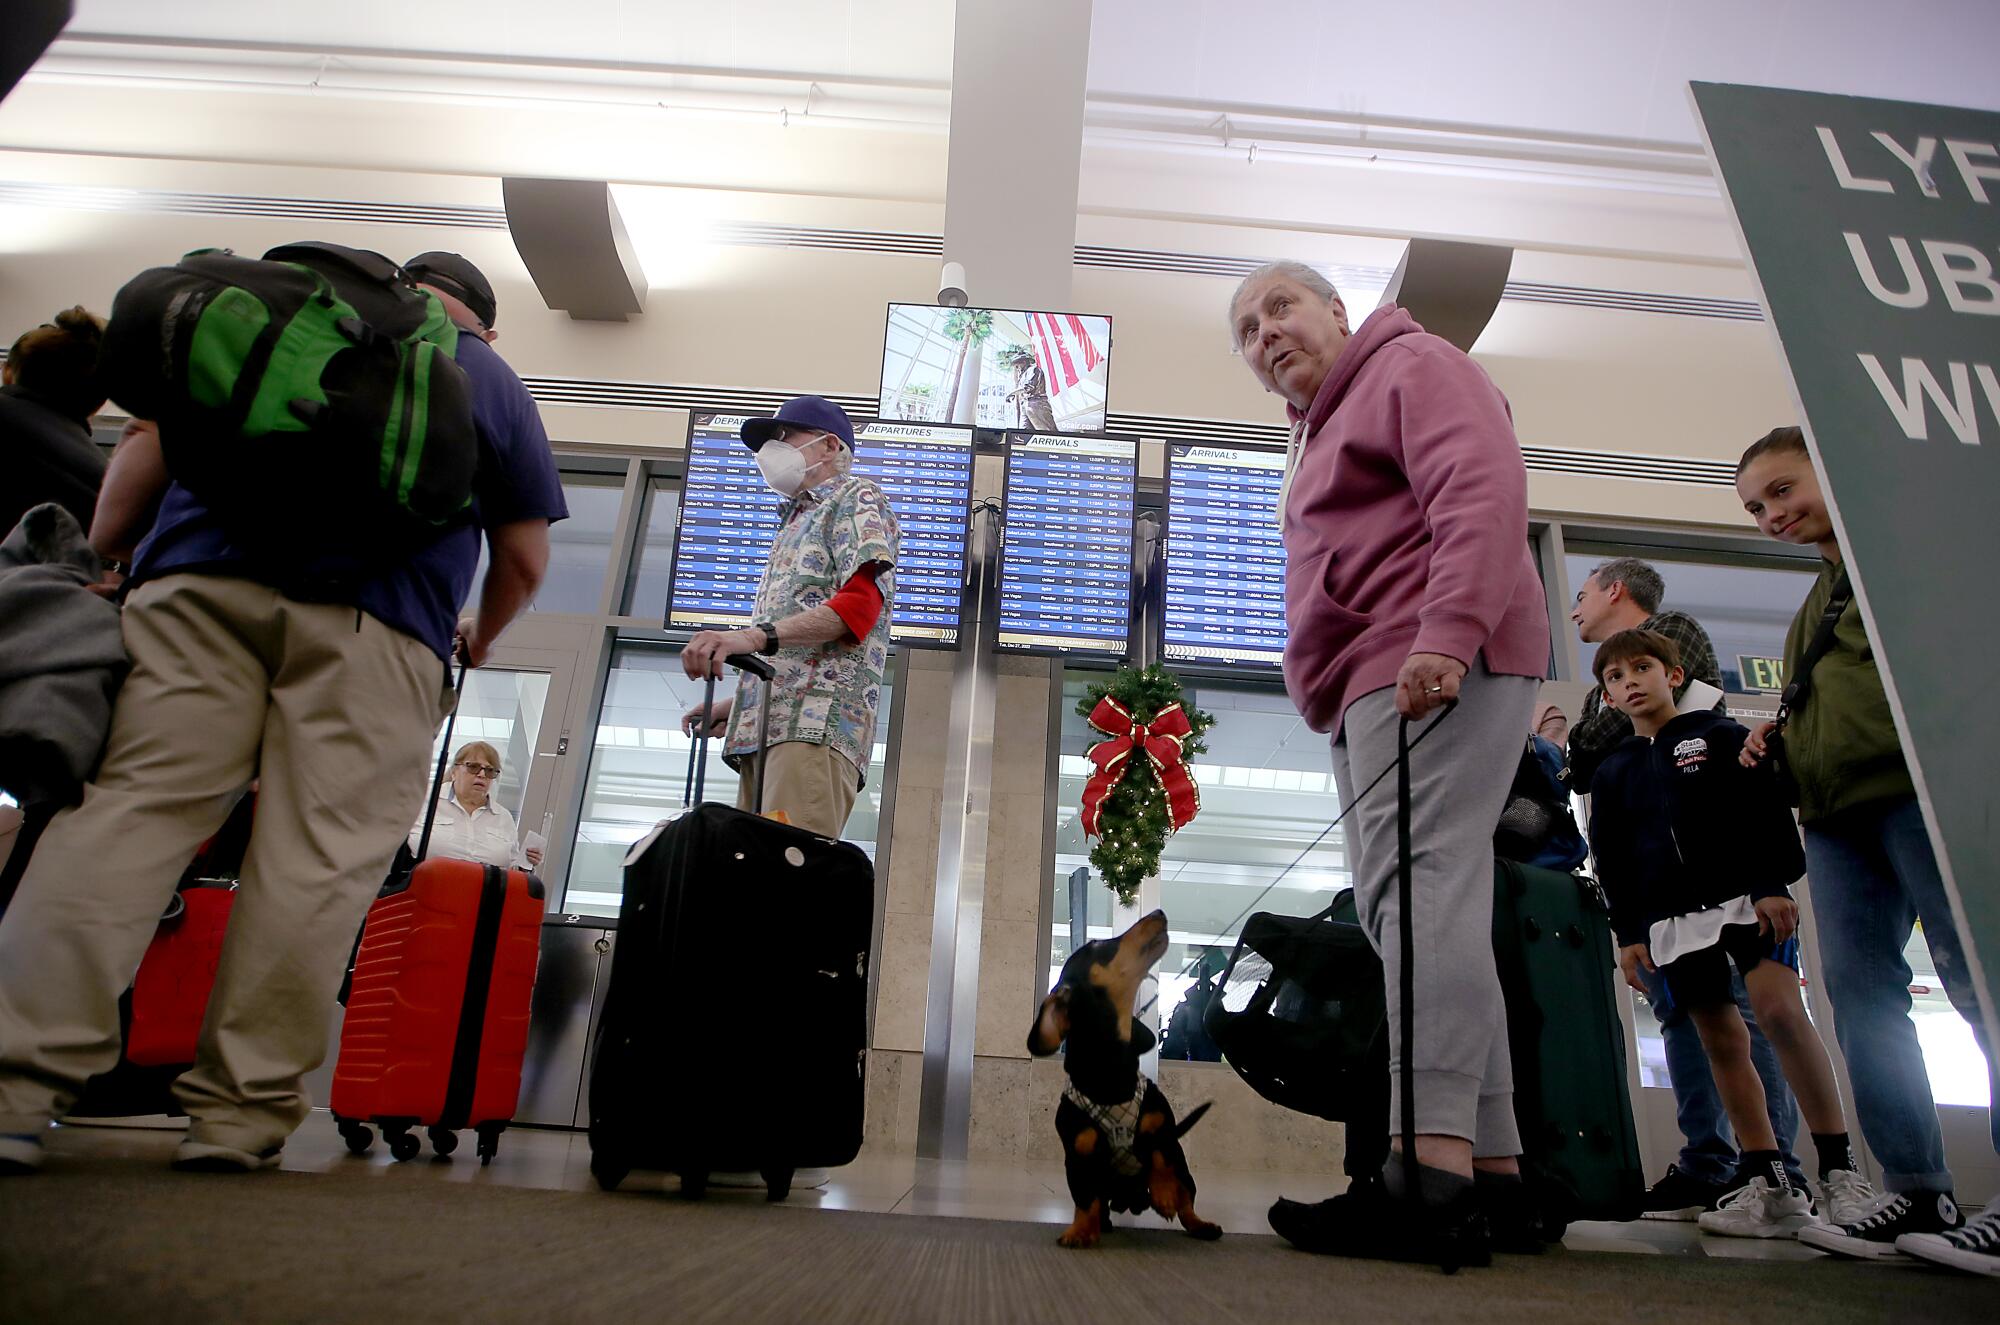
(312, 392)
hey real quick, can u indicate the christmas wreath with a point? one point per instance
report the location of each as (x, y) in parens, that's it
(1140, 790)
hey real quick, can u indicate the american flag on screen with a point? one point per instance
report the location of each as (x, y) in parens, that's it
(1061, 343)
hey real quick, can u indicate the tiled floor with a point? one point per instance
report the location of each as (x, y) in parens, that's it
(896, 1184)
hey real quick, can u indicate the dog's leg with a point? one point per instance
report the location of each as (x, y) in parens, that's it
(1088, 1226)
(1173, 1198)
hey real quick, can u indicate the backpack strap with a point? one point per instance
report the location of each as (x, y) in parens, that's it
(1799, 685)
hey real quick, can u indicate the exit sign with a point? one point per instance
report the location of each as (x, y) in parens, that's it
(1761, 673)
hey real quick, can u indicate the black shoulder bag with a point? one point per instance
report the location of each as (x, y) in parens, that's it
(1799, 686)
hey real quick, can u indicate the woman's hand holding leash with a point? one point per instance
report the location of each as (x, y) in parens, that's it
(1428, 682)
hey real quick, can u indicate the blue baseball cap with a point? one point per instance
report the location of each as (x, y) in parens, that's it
(814, 412)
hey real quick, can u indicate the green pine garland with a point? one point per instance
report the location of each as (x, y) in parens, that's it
(1133, 822)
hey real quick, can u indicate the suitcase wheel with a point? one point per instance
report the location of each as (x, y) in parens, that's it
(694, 1185)
(777, 1184)
(489, 1144)
(608, 1172)
(403, 1146)
(357, 1136)
(443, 1141)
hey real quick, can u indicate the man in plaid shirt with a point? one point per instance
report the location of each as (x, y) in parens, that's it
(1625, 595)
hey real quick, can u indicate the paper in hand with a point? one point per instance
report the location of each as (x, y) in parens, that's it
(1700, 698)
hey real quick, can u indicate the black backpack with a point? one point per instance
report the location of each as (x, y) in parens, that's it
(307, 395)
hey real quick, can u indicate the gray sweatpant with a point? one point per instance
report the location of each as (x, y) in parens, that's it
(1459, 778)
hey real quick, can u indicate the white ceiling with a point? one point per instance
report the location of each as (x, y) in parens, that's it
(1615, 68)
(1611, 68)
(877, 40)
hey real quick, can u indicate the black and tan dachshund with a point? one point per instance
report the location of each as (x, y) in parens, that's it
(1121, 1145)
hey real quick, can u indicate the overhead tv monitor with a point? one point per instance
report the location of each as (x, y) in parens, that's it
(996, 368)
(1224, 599)
(926, 471)
(729, 517)
(1066, 555)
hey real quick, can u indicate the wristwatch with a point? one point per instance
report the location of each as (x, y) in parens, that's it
(770, 629)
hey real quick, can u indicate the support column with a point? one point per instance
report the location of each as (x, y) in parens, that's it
(1010, 220)
(1017, 85)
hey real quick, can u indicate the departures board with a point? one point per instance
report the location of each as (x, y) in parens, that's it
(1066, 555)
(729, 517)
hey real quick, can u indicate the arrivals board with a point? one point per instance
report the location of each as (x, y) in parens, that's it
(1225, 586)
(1066, 559)
(729, 518)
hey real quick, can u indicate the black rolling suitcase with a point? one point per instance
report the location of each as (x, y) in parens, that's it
(734, 1025)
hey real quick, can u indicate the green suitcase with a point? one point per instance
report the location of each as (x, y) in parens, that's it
(1552, 944)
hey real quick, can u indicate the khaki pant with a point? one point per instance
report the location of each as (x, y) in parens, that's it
(230, 681)
(815, 785)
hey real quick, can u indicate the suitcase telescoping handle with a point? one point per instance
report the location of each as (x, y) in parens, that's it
(444, 762)
(698, 755)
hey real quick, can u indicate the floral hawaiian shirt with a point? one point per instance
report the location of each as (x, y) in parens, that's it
(826, 694)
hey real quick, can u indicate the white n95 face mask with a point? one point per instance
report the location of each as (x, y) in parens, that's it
(783, 468)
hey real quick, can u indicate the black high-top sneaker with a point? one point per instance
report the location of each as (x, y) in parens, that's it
(1890, 1216)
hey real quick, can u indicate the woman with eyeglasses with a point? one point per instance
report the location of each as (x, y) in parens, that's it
(471, 825)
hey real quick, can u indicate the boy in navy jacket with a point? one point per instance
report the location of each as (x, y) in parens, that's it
(1696, 854)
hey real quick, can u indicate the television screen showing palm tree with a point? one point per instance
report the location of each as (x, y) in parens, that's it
(996, 368)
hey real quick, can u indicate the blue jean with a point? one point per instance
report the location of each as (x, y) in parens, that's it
(1873, 875)
(1710, 1152)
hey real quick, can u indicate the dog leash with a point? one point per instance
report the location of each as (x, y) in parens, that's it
(1402, 732)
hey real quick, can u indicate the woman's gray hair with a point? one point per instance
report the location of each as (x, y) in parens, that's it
(1305, 275)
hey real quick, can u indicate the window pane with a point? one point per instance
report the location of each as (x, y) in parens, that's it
(639, 765)
(1746, 610)
(579, 548)
(1266, 792)
(652, 565)
(504, 709)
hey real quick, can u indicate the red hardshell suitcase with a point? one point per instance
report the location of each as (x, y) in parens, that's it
(438, 1002)
(437, 1016)
(170, 992)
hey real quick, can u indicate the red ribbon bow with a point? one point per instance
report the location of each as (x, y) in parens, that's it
(1160, 739)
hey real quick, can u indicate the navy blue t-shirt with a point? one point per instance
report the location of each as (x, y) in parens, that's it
(517, 480)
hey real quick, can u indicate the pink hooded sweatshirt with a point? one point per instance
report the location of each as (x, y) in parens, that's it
(1406, 523)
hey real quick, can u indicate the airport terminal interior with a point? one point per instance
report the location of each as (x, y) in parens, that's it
(1003, 238)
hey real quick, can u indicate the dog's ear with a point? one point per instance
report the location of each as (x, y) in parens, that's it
(1142, 1039)
(1051, 1026)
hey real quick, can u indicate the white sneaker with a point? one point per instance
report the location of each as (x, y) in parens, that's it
(1974, 1248)
(1758, 1210)
(192, 1156)
(1844, 1197)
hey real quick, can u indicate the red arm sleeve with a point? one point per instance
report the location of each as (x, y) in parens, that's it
(859, 602)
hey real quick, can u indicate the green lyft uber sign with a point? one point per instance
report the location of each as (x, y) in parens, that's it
(1874, 230)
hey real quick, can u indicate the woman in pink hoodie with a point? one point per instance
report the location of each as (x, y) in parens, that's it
(1410, 588)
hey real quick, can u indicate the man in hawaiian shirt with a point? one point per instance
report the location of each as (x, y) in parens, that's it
(821, 615)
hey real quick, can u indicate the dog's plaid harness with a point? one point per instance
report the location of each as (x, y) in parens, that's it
(1119, 1123)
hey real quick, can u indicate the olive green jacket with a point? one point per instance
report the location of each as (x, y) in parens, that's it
(1841, 744)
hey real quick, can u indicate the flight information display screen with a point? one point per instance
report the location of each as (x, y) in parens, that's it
(927, 473)
(729, 517)
(1225, 589)
(1066, 561)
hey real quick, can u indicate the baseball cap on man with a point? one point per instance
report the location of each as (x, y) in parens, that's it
(457, 277)
(814, 412)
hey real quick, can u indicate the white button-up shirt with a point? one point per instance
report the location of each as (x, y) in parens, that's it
(486, 834)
